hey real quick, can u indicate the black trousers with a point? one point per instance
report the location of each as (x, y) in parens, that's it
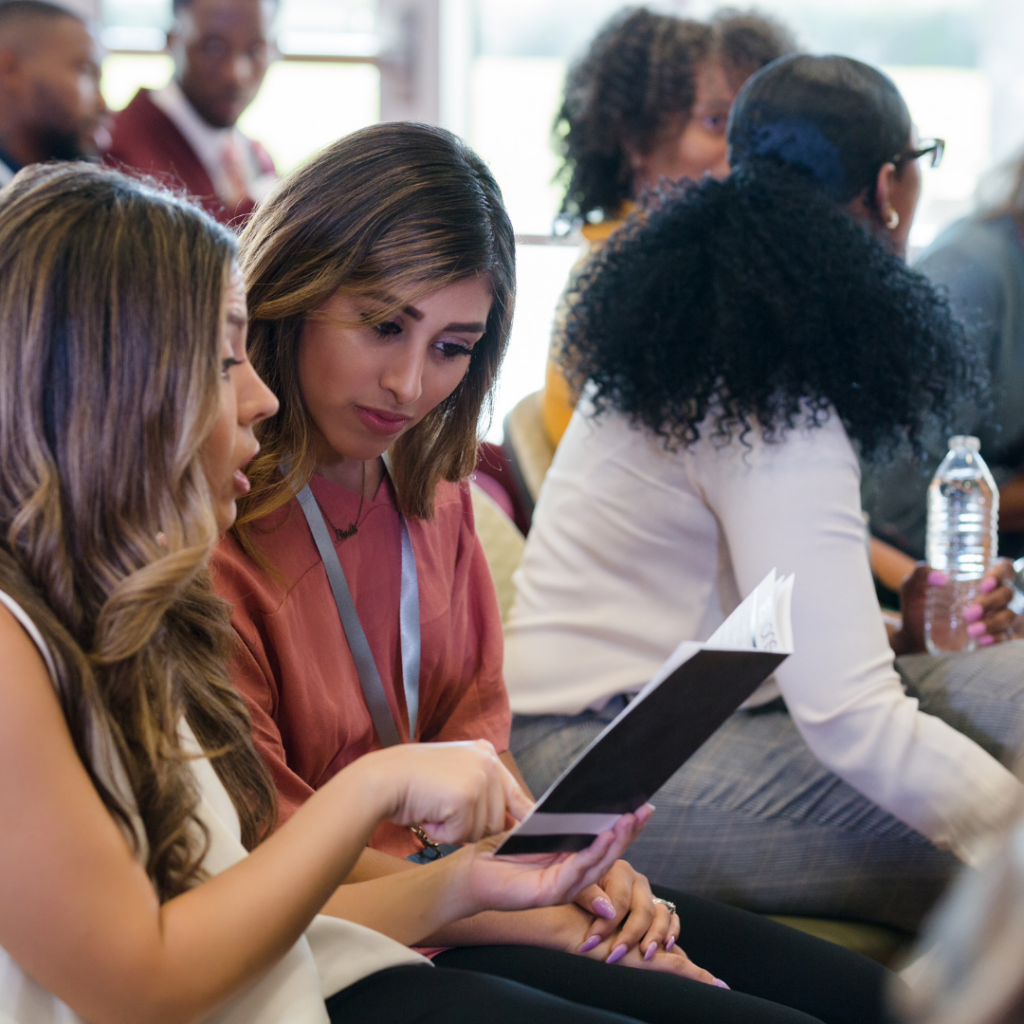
(778, 976)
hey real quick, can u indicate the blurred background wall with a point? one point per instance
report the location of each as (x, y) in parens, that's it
(492, 71)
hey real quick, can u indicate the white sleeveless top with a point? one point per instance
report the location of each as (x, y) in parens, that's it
(332, 954)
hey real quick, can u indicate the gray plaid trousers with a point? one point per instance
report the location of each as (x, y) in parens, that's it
(754, 819)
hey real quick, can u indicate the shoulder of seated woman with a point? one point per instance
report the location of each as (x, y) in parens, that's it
(452, 497)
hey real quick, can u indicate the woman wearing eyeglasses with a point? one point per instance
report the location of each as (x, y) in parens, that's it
(980, 261)
(741, 343)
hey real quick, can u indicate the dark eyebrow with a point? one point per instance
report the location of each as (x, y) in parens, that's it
(458, 328)
(467, 328)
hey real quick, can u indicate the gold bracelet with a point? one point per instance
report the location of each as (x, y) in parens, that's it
(430, 848)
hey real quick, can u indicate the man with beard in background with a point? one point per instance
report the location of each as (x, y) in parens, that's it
(51, 107)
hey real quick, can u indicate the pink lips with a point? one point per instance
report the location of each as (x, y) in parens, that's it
(380, 422)
(242, 484)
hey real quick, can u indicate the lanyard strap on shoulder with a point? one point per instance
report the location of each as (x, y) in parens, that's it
(409, 625)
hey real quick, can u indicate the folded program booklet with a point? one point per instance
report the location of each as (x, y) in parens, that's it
(694, 692)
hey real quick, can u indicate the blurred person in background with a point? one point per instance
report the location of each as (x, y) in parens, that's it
(649, 99)
(187, 133)
(51, 107)
(980, 262)
(968, 968)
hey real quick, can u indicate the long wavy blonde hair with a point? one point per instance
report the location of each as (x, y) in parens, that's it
(392, 212)
(110, 305)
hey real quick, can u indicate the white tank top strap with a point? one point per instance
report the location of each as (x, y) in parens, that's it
(33, 631)
(332, 955)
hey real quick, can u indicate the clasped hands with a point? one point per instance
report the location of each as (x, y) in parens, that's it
(599, 906)
(615, 918)
(624, 924)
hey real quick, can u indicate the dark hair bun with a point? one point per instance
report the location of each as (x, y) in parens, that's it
(834, 118)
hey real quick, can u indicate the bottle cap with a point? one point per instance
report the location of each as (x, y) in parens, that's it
(972, 444)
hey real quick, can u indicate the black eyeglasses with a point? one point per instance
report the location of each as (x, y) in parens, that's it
(934, 147)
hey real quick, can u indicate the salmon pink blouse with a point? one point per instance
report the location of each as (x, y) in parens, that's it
(293, 664)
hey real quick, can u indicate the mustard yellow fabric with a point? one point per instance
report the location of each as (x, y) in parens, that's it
(559, 400)
(557, 403)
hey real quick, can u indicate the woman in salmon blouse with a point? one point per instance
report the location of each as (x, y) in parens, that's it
(130, 792)
(381, 281)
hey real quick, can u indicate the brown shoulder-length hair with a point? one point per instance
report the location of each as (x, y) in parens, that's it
(110, 308)
(391, 213)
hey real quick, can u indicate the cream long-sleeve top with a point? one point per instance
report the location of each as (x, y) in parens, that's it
(634, 548)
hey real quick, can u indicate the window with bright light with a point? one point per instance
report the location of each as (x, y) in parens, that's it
(954, 61)
(931, 50)
(939, 53)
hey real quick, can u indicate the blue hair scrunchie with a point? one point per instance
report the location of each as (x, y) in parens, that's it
(798, 142)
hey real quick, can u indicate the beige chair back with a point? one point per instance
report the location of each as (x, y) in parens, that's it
(527, 443)
(502, 542)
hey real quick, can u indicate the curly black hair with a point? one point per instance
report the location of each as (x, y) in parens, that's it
(759, 302)
(637, 74)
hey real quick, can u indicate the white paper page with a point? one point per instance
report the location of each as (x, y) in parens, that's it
(761, 623)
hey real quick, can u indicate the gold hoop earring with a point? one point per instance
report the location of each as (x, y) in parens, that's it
(892, 219)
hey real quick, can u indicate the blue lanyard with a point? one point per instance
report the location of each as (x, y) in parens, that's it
(408, 624)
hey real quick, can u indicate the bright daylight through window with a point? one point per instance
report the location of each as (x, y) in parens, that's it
(499, 78)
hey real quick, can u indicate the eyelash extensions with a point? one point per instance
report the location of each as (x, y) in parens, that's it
(449, 350)
(452, 351)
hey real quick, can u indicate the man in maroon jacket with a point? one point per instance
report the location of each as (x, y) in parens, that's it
(186, 133)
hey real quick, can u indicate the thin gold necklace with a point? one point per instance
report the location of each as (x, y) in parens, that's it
(349, 531)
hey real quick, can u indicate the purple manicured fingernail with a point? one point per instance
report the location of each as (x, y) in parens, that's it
(986, 640)
(603, 908)
(592, 943)
(651, 950)
(973, 611)
(617, 954)
(977, 629)
(988, 584)
(937, 578)
(718, 983)
(670, 942)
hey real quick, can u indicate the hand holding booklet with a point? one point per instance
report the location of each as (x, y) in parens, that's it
(692, 694)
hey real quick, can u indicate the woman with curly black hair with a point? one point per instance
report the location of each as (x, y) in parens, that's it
(742, 341)
(649, 99)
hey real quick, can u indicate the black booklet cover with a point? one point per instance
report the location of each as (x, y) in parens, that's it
(697, 689)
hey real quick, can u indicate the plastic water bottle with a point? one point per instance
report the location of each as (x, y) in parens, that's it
(963, 530)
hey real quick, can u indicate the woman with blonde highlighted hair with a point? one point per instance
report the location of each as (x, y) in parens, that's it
(130, 791)
(380, 280)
